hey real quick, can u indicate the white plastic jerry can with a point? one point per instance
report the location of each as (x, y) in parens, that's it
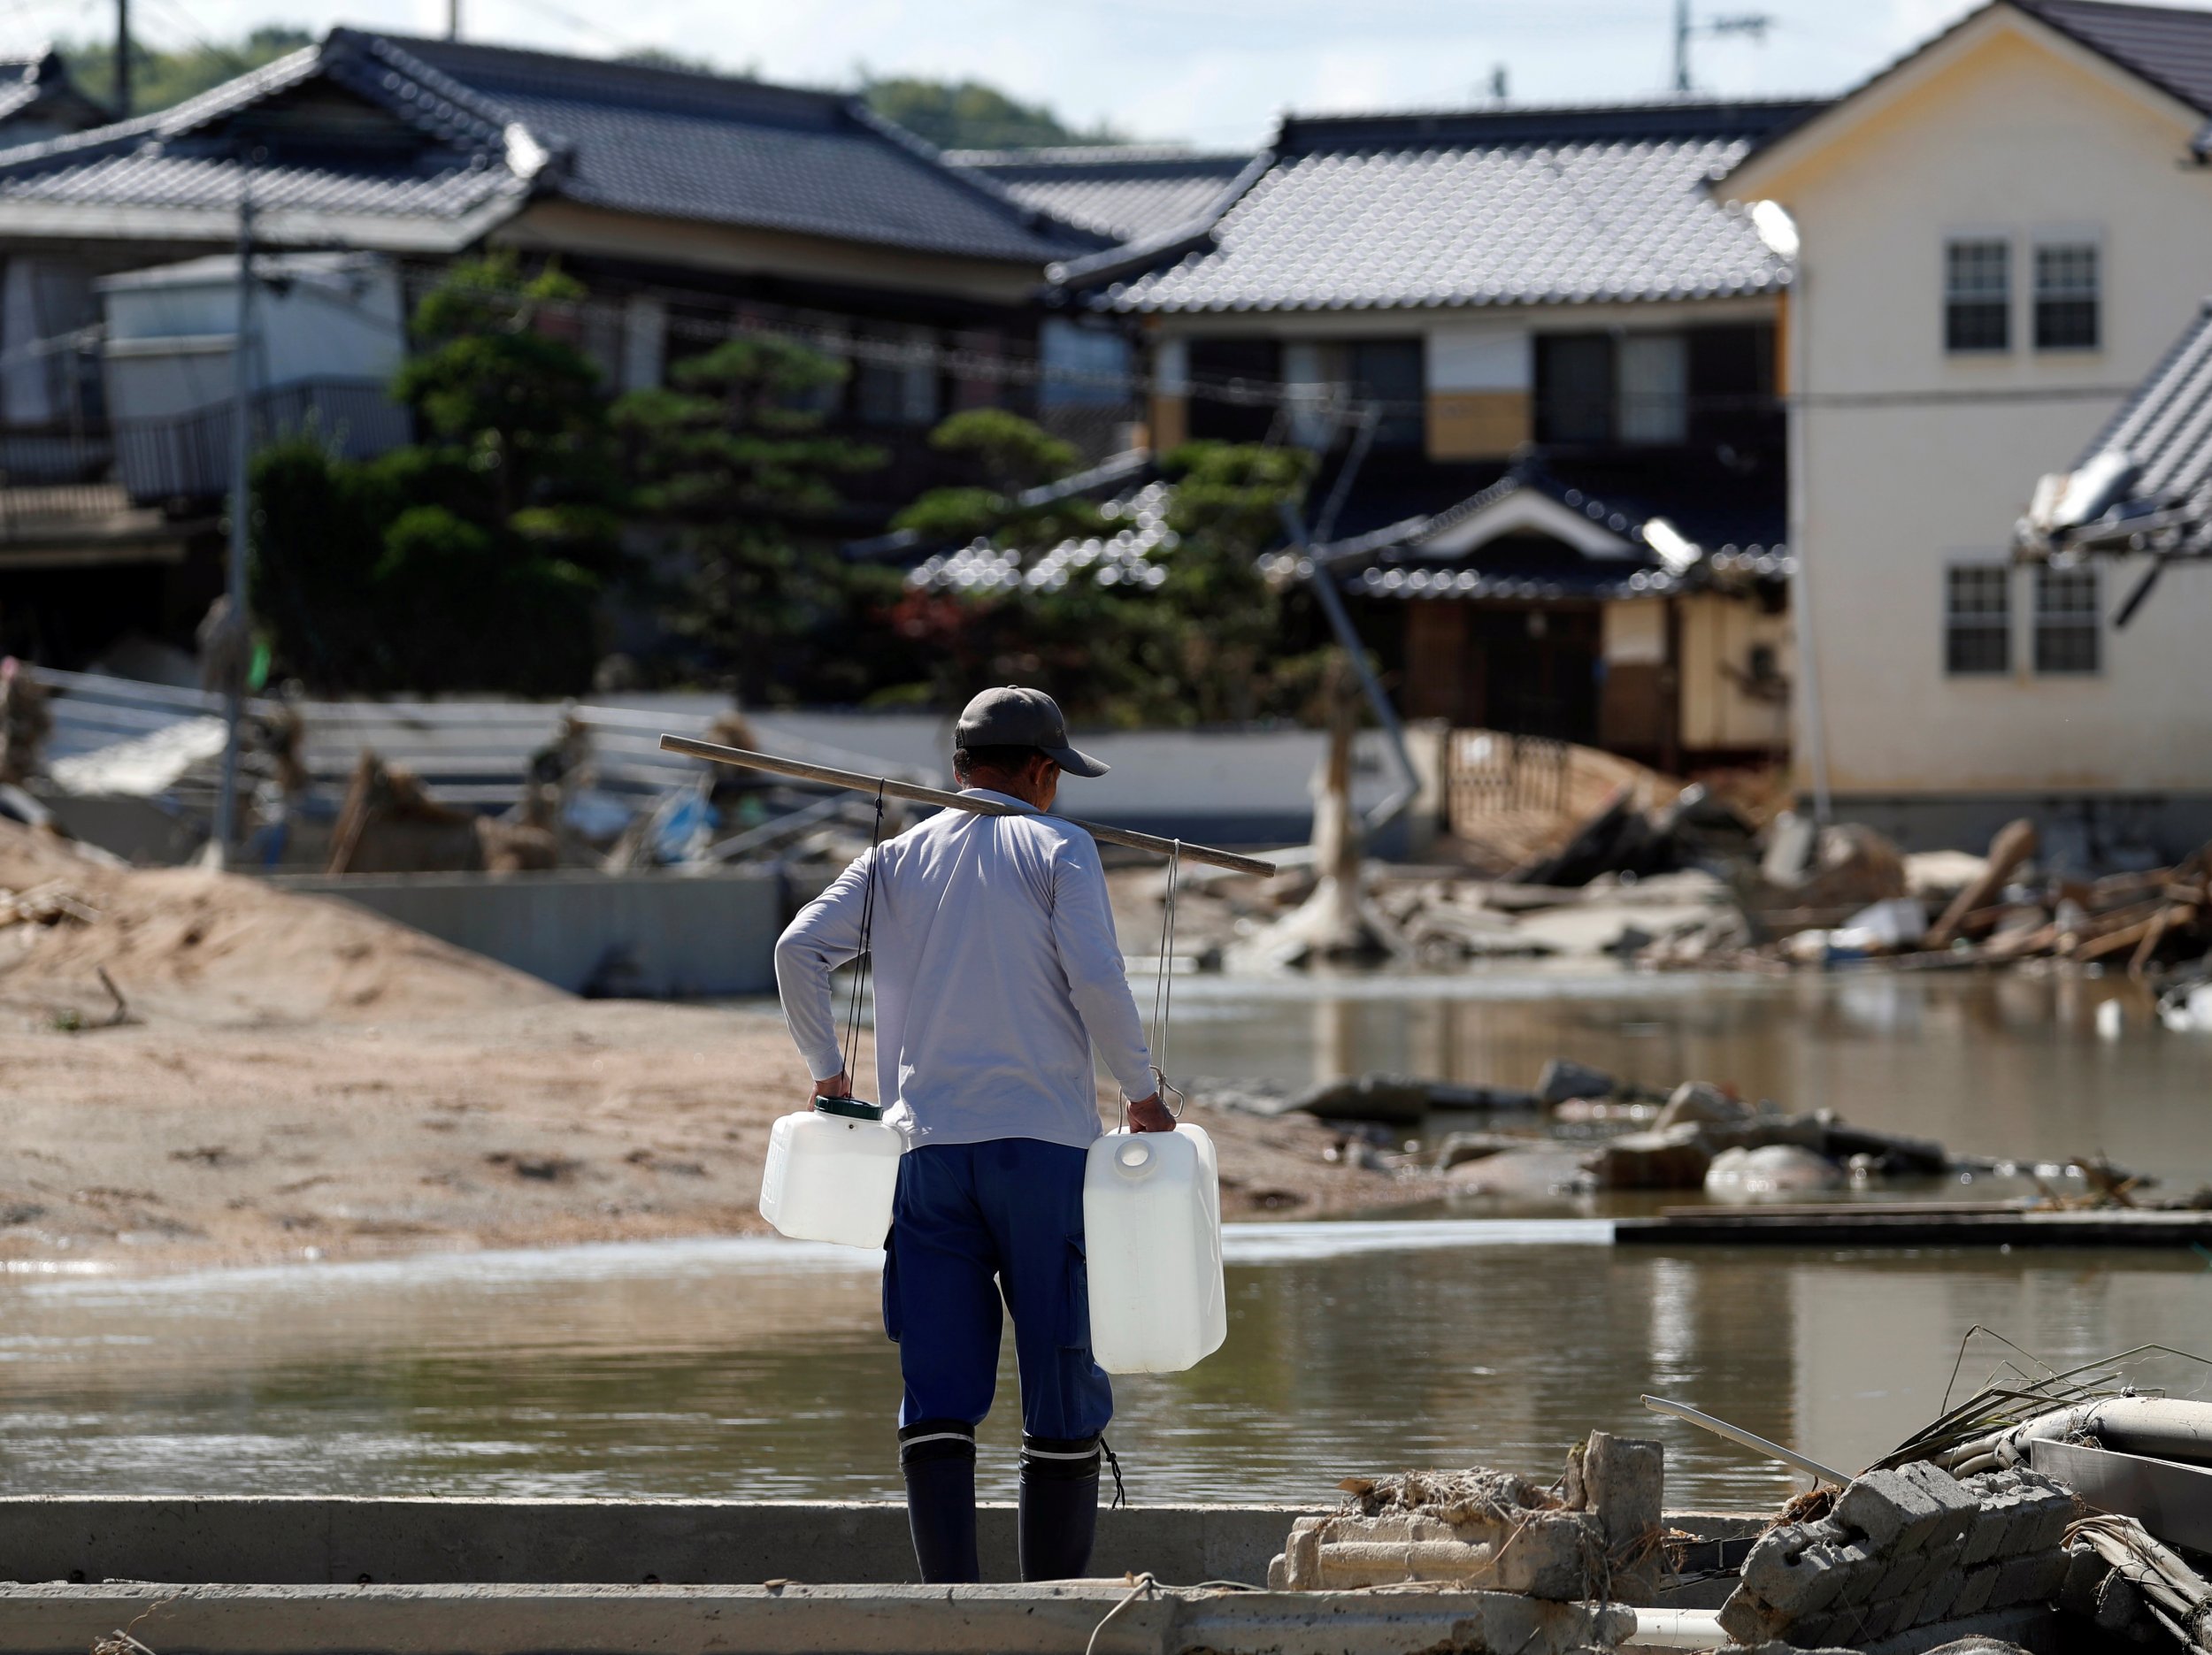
(1152, 1235)
(831, 1174)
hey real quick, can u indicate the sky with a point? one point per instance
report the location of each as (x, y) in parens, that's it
(1213, 72)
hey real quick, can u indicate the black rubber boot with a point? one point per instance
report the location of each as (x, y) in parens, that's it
(1059, 1508)
(938, 1457)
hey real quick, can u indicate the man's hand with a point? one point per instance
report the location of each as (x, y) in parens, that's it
(1149, 1115)
(838, 1085)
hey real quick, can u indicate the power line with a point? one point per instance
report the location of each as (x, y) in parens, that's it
(190, 26)
(560, 14)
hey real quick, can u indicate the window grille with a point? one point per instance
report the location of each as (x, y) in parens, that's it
(1978, 295)
(2068, 627)
(1978, 619)
(2066, 296)
(1652, 378)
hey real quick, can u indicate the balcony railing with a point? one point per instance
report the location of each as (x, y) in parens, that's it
(187, 458)
(55, 481)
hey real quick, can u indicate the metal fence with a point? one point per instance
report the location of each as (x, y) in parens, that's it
(49, 479)
(474, 754)
(1489, 773)
(189, 457)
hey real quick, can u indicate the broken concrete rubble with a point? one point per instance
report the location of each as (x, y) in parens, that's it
(1903, 1549)
(1599, 1539)
(1563, 1137)
(1686, 1153)
(1404, 1099)
(1676, 1159)
(1771, 1170)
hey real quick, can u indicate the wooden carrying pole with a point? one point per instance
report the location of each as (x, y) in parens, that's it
(858, 783)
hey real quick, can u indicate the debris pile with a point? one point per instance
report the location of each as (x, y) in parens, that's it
(1708, 1139)
(47, 904)
(1689, 884)
(1580, 1131)
(2008, 912)
(1479, 1530)
(2125, 1585)
(1904, 1548)
(2186, 1004)
(26, 721)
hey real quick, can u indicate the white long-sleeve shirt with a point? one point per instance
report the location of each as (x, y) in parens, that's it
(995, 971)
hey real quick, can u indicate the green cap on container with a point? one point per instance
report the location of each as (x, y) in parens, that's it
(851, 1108)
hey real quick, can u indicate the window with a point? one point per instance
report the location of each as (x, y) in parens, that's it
(1629, 388)
(1732, 397)
(1084, 366)
(1652, 377)
(1574, 387)
(1978, 619)
(1230, 379)
(1978, 295)
(894, 378)
(1391, 372)
(2069, 637)
(2066, 295)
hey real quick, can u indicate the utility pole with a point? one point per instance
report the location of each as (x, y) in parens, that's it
(122, 59)
(1754, 24)
(453, 19)
(236, 647)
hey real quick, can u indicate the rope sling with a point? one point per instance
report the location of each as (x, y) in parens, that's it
(865, 956)
(1163, 991)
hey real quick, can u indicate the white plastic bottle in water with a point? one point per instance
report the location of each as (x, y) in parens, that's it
(831, 1174)
(1152, 1235)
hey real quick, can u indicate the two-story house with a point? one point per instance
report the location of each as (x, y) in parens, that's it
(1999, 235)
(1539, 361)
(689, 204)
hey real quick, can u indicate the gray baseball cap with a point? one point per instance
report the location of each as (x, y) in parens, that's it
(1013, 718)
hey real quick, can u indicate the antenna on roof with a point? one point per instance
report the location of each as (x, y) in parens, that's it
(1754, 24)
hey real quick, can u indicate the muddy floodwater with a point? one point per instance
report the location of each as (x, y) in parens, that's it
(751, 1368)
(2004, 1066)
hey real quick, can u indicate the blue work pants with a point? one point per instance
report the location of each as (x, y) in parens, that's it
(974, 1222)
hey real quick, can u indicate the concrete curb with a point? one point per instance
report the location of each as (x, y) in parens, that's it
(314, 1540)
(307, 1541)
(450, 1620)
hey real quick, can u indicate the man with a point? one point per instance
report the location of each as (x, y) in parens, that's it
(997, 970)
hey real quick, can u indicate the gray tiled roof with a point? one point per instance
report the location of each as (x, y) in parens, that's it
(36, 90)
(187, 180)
(1410, 564)
(682, 145)
(2145, 482)
(2165, 426)
(488, 123)
(1129, 193)
(2169, 46)
(1479, 209)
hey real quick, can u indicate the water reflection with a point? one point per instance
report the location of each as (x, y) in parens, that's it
(2008, 1066)
(754, 1369)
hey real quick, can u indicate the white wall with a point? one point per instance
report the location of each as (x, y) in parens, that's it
(1494, 357)
(1259, 779)
(169, 341)
(2014, 133)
